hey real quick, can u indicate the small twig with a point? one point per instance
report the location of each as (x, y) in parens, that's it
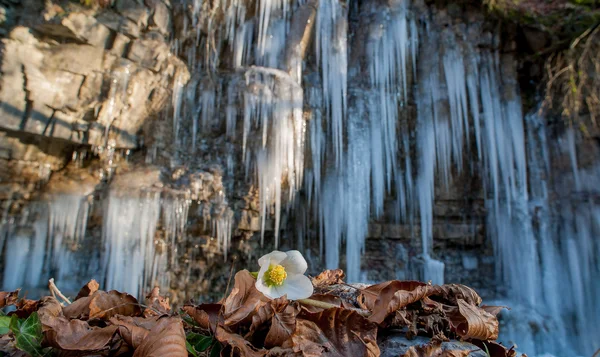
(584, 34)
(229, 280)
(54, 289)
(597, 353)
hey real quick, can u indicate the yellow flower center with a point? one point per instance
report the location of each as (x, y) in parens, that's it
(275, 275)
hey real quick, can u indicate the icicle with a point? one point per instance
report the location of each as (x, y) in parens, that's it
(273, 101)
(15, 267)
(242, 48)
(68, 216)
(175, 208)
(177, 99)
(130, 220)
(208, 103)
(271, 54)
(357, 201)
(454, 70)
(332, 55)
(191, 107)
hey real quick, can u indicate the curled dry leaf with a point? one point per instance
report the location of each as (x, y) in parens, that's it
(166, 338)
(384, 299)
(133, 330)
(8, 346)
(237, 345)
(205, 315)
(470, 321)
(244, 300)
(8, 298)
(283, 322)
(453, 292)
(341, 332)
(308, 340)
(263, 316)
(156, 305)
(88, 289)
(495, 349)
(25, 307)
(77, 335)
(328, 277)
(79, 309)
(49, 312)
(103, 305)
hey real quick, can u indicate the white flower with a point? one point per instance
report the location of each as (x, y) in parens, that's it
(282, 273)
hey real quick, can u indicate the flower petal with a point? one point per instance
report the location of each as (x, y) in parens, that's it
(296, 287)
(269, 292)
(294, 263)
(259, 278)
(272, 258)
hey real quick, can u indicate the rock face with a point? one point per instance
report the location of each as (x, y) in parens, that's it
(397, 345)
(85, 77)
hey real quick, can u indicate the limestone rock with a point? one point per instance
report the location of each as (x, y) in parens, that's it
(78, 26)
(161, 16)
(96, 82)
(397, 344)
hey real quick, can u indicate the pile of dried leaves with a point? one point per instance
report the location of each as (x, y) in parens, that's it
(338, 320)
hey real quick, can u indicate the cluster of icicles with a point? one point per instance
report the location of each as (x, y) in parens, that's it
(129, 257)
(359, 138)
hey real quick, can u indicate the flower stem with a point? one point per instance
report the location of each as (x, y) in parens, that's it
(326, 305)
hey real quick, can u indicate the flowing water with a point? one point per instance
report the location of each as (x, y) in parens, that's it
(397, 106)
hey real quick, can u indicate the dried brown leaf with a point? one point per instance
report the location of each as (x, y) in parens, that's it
(328, 277)
(340, 332)
(8, 346)
(454, 292)
(308, 340)
(49, 312)
(103, 305)
(145, 322)
(156, 304)
(470, 321)
(495, 349)
(129, 329)
(262, 317)
(25, 307)
(375, 294)
(166, 338)
(385, 298)
(237, 345)
(88, 289)
(244, 300)
(77, 335)
(79, 309)
(283, 322)
(205, 315)
(8, 298)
